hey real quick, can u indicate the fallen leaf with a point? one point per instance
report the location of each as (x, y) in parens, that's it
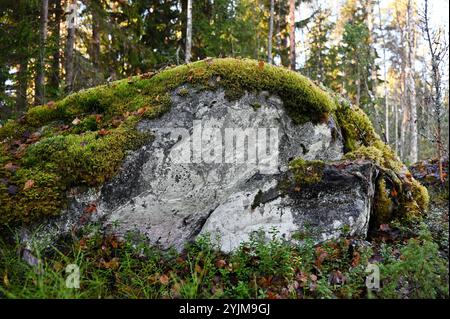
(76, 121)
(198, 269)
(103, 132)
(164, 279)
(261, 64)
(394, 193)
(98, 118)
(112, 264)
(141, 111)
(28, 184)
(313, 277)
(356, 259)
(221, 263)
(11, 167)
(92, 208)
(385, 227)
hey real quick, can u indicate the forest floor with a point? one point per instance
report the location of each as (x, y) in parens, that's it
(412, 260)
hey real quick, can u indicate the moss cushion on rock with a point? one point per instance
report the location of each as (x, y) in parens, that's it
(81, 140)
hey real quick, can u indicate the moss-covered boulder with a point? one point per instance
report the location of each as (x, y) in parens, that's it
(83, 157)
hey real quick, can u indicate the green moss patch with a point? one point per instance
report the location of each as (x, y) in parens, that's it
(306, 172)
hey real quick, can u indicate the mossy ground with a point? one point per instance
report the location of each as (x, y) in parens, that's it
(410, 264)
(82, 139)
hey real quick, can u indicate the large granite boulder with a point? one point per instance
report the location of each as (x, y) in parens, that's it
(217, 159)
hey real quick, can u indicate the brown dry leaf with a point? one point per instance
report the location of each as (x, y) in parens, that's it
(82, 243)
(297, 189)
(313, 277)
(92, 208)
(141, 111)
(11, 167)
(302, 277)
(76, 121)
(221, 263)
(272, 295)
(116, 122)
(28, 184)
(114, 243)
(356, 259)
(103, 132)
(51, 104)
(394, 192)
(264, 282)
(321, 255)
(164, 279)
(385, 227)
(261, 64)
(112, 264)
(98, 118)
(198, 269)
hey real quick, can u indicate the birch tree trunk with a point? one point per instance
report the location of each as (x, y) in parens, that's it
(188, 54)
(292, 34)
(269, 44)
(56, 30)
(410, 83)
(22, 85)
(39, 87)
(385, 83)
(70, 44)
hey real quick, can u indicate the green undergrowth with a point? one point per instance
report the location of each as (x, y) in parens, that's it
(82, 139)
(111, 268)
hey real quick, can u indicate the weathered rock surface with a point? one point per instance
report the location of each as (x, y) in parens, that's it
(188, 180)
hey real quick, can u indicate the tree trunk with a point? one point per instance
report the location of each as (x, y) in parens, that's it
(95, 42)
(411, 87)
(188, 55)
(385, 83)
(39, 95)
(292, 34)
(54, 77)
(22, 86)
(269, 45)
(70, 44)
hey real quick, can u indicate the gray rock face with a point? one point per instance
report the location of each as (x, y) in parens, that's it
(208, 160)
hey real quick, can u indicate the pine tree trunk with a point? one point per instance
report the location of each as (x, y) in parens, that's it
(70, 44)
(39, 95)
(188, 55)
(269, 45)
(292, 34)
